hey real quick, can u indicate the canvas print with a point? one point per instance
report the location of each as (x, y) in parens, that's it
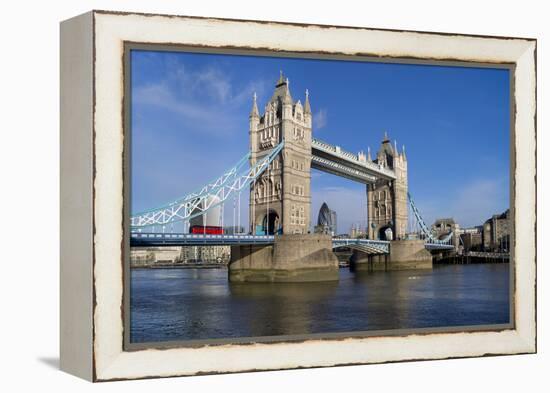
(277, 197)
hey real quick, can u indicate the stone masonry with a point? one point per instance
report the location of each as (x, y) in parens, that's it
(292, 258)
(280, 199)
(386, 199)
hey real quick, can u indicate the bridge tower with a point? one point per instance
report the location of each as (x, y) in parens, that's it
(386, 199)
(280, 200)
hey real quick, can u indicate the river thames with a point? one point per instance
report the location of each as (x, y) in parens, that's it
(191, 304)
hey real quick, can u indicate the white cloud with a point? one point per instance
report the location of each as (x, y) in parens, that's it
(479, 200)
(471, 205)
(206, 99)
(161, 95)
(320, 119)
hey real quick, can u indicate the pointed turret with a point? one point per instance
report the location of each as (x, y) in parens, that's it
(403, 154)
(254, 112)
(369, 158)
(287, 98)
(307, 107)
(281, 79)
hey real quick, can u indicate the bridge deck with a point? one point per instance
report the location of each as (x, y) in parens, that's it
(369, 246)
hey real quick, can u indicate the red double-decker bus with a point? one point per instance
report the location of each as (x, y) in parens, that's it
(206, 230)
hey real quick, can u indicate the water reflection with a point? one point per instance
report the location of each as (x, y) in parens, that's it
(283, 308)
(180, 304)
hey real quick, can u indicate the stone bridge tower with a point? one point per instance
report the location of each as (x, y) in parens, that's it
(387, 200)
(280, 200)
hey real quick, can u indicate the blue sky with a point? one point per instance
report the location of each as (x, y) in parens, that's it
(190, 123)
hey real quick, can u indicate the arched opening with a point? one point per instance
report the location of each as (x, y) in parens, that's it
(385, 233)
(270, 223)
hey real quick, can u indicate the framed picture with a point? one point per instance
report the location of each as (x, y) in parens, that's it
(247, 195)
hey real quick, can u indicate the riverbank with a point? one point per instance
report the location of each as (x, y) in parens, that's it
(180, 266)
(471, 259)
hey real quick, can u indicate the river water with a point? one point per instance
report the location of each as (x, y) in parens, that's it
(190, 304)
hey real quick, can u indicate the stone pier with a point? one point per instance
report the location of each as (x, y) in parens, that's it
(292, 258)
(404, 254)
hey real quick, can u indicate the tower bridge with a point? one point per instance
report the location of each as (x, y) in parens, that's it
(276, 172)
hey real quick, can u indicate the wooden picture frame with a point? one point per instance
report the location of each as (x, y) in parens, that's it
(94, 234)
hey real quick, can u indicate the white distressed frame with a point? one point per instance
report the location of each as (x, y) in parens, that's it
(110, 31)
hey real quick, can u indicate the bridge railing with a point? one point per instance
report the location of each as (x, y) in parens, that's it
(152, 238)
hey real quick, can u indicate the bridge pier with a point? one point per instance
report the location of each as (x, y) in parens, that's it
(292, 258)
(404, 254)
(361, 261)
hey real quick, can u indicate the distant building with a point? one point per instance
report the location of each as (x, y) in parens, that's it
(232, 230)
(327, 220)
(471, 238)
(141, 256)
(496, 233)
(357, 232)
(206, 254)
(152, 255)
(147, 256)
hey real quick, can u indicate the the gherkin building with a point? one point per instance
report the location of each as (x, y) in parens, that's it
(327, 218)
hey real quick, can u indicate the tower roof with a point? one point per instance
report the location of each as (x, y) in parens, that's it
(386, 152)
(282, 90)
(386, 145)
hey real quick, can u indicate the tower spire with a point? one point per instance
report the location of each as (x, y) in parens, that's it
(307, 107)
(403, 153)
(254, 112)
(287, 98)
(369, 158)
(386, 139)
(281, 78)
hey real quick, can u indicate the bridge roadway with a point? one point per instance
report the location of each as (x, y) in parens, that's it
(142, 239)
